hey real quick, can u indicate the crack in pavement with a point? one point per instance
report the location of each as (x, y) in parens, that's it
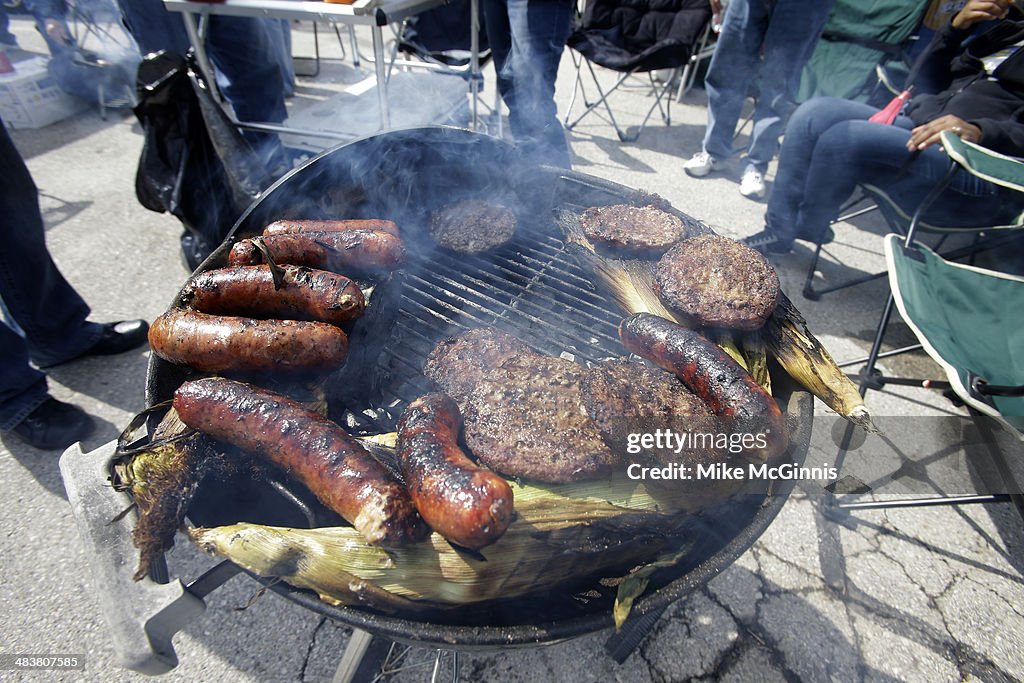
(312, 645)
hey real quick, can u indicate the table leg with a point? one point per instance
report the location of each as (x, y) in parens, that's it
(379, 67)
(474, 60)
(198, 40)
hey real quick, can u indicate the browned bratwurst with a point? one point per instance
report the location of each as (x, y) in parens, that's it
(364, 251)
(288, 227)
(305, 294)
(212, 343)
(314, 450)
(468, 505)
(712, 374)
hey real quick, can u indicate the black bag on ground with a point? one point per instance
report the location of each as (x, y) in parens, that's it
(195, 163)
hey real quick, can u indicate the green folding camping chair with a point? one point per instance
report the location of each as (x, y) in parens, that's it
(966, 318)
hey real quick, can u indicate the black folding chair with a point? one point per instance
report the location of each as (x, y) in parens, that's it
(639, 37)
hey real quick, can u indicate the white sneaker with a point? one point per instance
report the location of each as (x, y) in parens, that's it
(752, 184)
(700, 164)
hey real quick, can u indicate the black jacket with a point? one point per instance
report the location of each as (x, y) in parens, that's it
(950, 78)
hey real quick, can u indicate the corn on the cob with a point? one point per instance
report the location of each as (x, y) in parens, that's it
(801, 354)
(161, 478)
(562, 534)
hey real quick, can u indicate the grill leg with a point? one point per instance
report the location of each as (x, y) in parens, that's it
(362, 658)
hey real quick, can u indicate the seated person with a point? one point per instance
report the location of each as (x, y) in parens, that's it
(969, 81)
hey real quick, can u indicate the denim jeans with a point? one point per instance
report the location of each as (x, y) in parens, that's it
(830, 147)
(44, 318)
(786, 31)
(527, 38)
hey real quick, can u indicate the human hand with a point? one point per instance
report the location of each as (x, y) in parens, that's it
(980, 10)
(716, 6)
(928, 134)
(57, 30)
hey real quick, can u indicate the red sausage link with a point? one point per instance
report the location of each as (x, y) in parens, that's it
(364, 251)
(709, 372)
(305, 294)
(314, 450)
(211, 343)
(287, 227)
(468, 505)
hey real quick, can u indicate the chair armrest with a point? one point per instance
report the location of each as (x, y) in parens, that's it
(984, 163)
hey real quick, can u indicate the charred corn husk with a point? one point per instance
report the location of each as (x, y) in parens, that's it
(562, 534)
(161, 477)
(801, 354)
(756, 353)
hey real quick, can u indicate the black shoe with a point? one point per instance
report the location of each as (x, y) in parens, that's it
(768, 243)
(826, 238)
(118, 337)
(54, 425)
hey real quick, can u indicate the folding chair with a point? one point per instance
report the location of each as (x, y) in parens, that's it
(861, 35)
(641, 36)
(964, 318)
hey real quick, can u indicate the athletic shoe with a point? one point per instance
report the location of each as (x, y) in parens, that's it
(768, 242)
(700, 165)
(752, 184)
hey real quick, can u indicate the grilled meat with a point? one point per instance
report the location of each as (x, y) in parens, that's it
(472, 226)
(624, 397)
(718, 282)
(526, 419)
(458, 364)
(641, 230)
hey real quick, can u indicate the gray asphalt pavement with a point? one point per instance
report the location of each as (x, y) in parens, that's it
(931, 594)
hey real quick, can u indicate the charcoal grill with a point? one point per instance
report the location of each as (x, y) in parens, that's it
(532, 287)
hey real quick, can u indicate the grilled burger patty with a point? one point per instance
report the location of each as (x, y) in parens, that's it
(644, 229)
(718, 282)
(458, 364)
(472, 226)
(526, 419)
(624, 397)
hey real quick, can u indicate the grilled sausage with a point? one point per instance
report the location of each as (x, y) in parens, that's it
(305, 294)
(314, 450)
(211, 343)
(365, 251)
(288, 227)
(466, 504)
(709, 372)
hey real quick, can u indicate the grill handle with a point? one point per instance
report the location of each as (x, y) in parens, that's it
(144, 615)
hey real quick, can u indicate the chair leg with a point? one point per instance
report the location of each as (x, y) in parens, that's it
(603, 99)
(867, 379)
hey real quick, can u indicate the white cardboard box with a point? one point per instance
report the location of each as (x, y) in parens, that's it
(29, 98)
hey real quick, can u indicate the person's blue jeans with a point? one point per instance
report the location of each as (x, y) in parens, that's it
(44, 318)
(830, 147)
(786, 32)
(527, 38)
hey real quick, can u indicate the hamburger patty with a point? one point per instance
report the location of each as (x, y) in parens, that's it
(526, 419)
(458, 364)
(624, 397)
(645, 230)
(718, 282)
(472, 226)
